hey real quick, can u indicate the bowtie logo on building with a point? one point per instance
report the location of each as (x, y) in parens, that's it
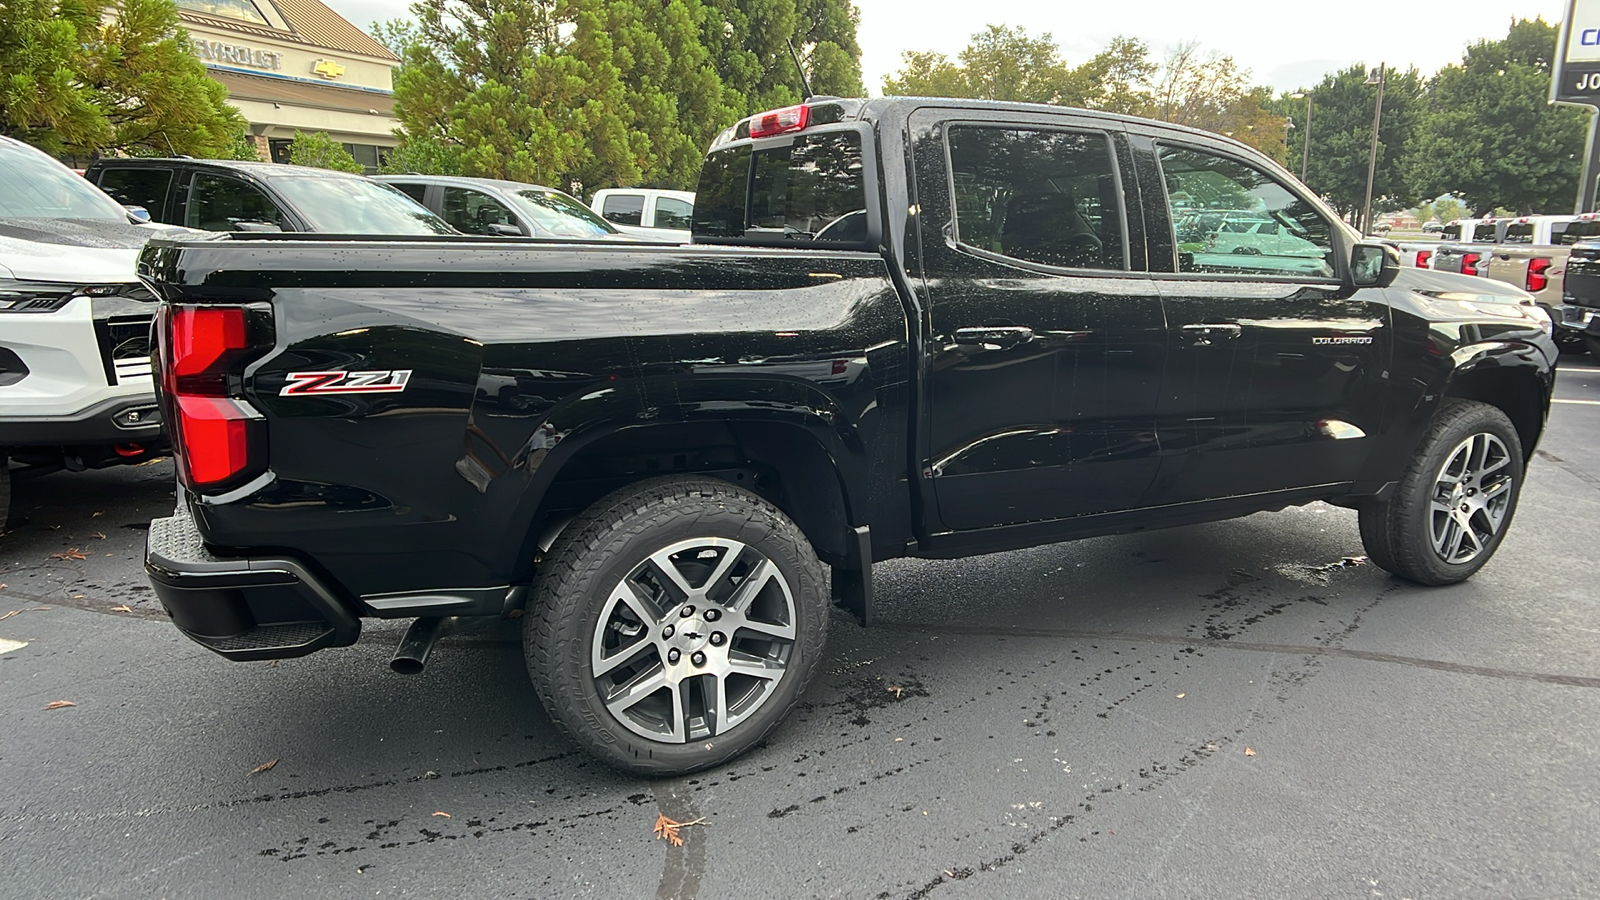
(328, 69)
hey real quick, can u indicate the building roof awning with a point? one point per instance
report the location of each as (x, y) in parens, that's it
(305, 94)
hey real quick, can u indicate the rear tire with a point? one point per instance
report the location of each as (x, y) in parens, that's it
(675, 623)
(1455, 502)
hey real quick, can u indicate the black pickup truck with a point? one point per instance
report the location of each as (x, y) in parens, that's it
(904, 328)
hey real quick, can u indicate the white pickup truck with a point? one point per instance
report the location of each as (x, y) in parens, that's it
(1527, 251)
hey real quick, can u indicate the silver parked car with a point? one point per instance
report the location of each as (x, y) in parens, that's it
(496, 208)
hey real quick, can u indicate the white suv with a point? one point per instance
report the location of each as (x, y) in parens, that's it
(647, 212)
(75, 388)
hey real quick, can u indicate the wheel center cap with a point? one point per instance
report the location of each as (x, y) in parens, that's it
(691, 634)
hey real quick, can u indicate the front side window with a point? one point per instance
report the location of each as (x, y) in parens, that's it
(219, 203)
(473, 212)
(1519, 233)
(624, 209)
(1043, 196)
(673, 213)
(417, 192)
(1231, 218)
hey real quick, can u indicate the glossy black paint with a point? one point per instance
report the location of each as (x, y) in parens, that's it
(834, 381)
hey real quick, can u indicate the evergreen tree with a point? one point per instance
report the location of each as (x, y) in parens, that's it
(321, 151)
(1341, 137)
(43, 51)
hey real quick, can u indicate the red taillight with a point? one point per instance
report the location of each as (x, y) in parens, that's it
(1424, 257)
(1537, 279)
(780, 121)
(1469, 263)
(213, 433)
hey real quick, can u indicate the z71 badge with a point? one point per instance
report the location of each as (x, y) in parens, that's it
(381, 382)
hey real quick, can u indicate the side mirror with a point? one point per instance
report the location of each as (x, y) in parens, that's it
(138, 214)
(500, 229)
(1373, 265)
(256, 227)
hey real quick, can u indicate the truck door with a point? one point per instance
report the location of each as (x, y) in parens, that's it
(1275, 372)
(1044, 348)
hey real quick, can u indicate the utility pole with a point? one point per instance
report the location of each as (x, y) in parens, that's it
(1377, 77)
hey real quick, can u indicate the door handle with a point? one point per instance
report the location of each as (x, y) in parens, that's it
(1004, 335)
(1205, 333)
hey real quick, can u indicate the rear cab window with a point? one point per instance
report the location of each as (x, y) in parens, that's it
(810, 189)
(623, 209)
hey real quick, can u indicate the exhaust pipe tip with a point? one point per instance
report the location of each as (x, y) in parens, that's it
(412, 654)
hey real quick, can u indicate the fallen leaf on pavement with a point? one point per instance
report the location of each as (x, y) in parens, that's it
(666, 828)
(897, 691)
(122, 608)
(1249, 752)
(442, 813)
(100, 535)
(59, 704)
(263, 767)
(74, 553)
(98, 514)
(1180, 696)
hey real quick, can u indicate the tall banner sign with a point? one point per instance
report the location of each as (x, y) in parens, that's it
(1577, 73)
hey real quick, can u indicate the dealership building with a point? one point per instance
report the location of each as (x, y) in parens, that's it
(297, 65)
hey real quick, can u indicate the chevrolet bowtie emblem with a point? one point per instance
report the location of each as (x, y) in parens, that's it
(327, 68)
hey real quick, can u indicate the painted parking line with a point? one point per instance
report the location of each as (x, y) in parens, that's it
(1578, 402)
(9, 646)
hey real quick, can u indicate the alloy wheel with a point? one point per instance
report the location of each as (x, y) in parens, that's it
(1472, 493)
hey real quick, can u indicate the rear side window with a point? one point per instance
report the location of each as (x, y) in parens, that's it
(1573, 232)
(809, 190)
(1451, 232)
(138, 187)
(1043, 196)
(624, 209)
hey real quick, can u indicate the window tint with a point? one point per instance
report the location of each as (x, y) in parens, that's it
(218, 203)
(415, 191)
(1519, 234)
(1232, 218)
(624, 209)
(472, 212)
(811, 190)
(673, 213)
(1047, 197)
(138, 187)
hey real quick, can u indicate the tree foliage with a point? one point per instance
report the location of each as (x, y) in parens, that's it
(1206, 91)
(92, 76)
(602, 92)
(1341, 136)
(1490, 136)
(321, 151)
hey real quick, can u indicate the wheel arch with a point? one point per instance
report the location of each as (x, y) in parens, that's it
(1511, 382)
(801, 458)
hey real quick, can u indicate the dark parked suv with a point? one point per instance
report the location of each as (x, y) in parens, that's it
(226, 195)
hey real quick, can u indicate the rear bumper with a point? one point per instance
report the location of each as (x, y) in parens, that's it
(242, 608)
(1573, 318)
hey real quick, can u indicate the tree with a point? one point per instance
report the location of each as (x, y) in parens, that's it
(1000, 63)
(748, 42)
(1211, 92)
(88, 76)
(1341, 137)
(320, 151)
(1490, 136)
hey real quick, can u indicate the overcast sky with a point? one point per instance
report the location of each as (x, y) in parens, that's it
(1284, 45)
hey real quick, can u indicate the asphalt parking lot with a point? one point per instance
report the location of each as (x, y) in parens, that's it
(1237, 709)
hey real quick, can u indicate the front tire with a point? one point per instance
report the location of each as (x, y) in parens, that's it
(675, 623)
(1455, 502)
